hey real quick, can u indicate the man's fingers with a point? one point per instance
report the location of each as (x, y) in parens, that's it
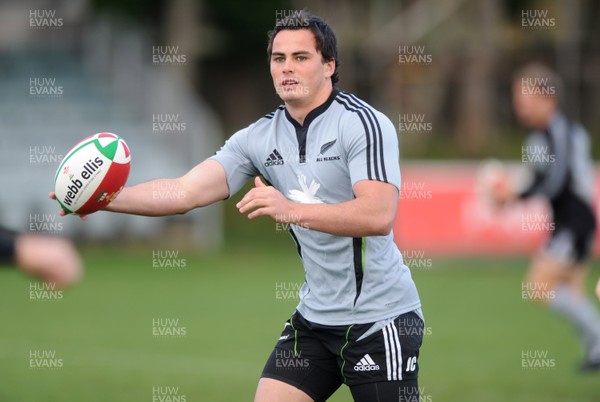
(242, 202)
(245, 199)
(258, 182)
(258, 212)
(244, 206)
(52, 196)
(258, 201)
(62, 212)
(253, 214)
(250, 195)
(250, 205)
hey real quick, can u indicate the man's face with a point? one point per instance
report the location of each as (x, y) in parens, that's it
(532, 109)
(297, 68)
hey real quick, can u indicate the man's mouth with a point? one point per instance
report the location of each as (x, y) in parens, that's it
(289, 82)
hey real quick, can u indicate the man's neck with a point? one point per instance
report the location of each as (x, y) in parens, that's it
(300, 110)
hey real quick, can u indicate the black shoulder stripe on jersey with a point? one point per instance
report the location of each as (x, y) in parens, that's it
(377, 150)
(270, 115)
(379, 133)
(367, 135)
(365, 111)
(376, 154)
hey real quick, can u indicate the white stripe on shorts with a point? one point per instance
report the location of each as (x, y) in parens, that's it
(393, 352)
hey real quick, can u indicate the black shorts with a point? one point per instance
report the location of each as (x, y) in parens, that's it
(379, 357)
(7, 246)
(573, 232)
(570, 244)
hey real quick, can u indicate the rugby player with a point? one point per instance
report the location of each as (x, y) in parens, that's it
(330, 164)
(562, 169)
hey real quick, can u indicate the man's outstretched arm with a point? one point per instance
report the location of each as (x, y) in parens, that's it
(205, 184)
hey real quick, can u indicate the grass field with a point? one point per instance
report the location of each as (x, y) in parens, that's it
(229, 317)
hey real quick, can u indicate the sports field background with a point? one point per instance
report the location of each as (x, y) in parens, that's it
(126, 65)
(477, 327)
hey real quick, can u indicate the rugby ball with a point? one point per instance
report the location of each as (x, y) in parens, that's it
(92, 174)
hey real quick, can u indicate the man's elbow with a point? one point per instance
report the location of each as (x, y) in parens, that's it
(182, 208)
(382, 226)
(188, 202)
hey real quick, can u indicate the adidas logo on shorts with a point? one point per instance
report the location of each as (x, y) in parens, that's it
(366, 364)
(274, 159)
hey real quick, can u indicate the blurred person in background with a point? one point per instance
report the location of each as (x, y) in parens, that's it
(50, 259)
(558, 152)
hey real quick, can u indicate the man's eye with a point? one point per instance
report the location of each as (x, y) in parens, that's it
(278, 59)
(301, 58)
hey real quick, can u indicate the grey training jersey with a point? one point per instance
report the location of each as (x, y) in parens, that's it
(347, 280)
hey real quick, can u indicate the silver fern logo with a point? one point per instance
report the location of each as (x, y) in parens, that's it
(307, 194)
(324, 148)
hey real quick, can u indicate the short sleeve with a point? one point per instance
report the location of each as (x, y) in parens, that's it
(235, 159)
(372, 148)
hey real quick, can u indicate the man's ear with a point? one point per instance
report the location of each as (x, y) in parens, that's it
(329, 68)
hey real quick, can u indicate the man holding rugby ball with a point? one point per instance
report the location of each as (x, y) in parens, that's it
(330, 164)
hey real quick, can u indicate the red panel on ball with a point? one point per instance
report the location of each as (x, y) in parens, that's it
(109, 188)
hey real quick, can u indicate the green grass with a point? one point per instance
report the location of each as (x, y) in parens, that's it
(102, 330)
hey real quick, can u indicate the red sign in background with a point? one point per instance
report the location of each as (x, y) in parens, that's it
(441, 212)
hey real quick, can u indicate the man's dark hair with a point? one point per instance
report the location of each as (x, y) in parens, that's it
(324, 36)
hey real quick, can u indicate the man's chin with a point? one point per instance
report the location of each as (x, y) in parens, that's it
(290, 97)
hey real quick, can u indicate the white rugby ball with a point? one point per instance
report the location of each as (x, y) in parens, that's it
(92, 173)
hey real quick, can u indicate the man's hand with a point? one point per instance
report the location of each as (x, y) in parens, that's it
(51, 259)
(266, 200)
(370, 213)
(62, 211)
(501, 191)
(495, 182)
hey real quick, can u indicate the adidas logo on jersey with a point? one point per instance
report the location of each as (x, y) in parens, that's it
(366, 364)
(274, 159)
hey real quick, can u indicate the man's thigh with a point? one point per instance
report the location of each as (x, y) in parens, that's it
(300, 360)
